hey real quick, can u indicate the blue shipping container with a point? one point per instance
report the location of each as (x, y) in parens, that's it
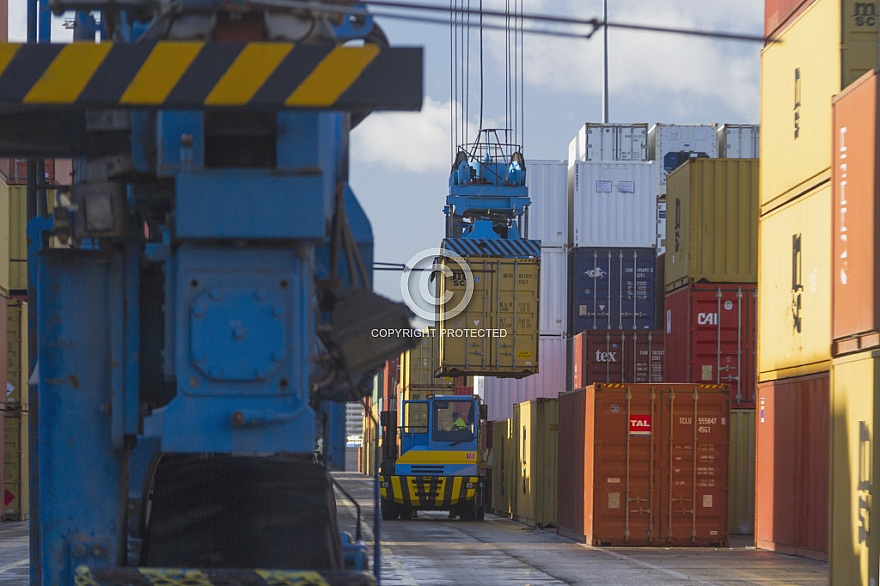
(612, 289)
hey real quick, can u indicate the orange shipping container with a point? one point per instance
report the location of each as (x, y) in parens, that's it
(855, 287)
(646, 464)
(792, 466)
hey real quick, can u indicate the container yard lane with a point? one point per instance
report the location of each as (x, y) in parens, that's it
(433, 550)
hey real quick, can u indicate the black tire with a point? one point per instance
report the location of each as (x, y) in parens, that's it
(390, 510)
(242, 512)
(468, 511)
(406, 513)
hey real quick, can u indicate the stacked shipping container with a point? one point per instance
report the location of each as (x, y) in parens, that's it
(827, 44)
(710, 306)
(855, 331)
(548, 223)
(645, 464)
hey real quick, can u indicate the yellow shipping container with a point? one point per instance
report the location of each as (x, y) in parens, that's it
(16, 352)
(15, 466)
(533, 493)
(794, 288)
(712, 222)
(504, 464)
(417, 367)
(741, 498)
(496, 333)
(13, 240)
(824, 50)
(855, 414)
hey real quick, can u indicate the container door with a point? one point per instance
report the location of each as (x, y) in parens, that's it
(693, 469)
(625, 481)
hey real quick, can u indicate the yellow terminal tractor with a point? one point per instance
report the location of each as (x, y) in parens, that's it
(438, 467)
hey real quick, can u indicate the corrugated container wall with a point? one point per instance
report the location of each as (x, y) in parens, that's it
(613, 205)
(741, 504)
(612, 289)
(617, 356)
(714, 332)
(503, 465)
(505, 298)
(609, 142)
(646, 450)
(13, 242)
(547, 182)
(417, 366)
(739, 141)
(855, 415)
(553, 311)
(666, 140)
(792, 466)
(500, 394)
(661, 228)
(714, 233)
(16, 350)
(855, 289)
(534, 487)
(16, 466)
(794, 313)
(827, 47)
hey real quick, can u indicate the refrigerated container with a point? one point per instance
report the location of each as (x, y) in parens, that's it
(739, 141)
(500, 394)
(617, 356)
(612, 289)
(712, 329)
(661, 228)
(823, 50)
(533, 492)
(496, 332)
(855, 288)
(553, 310)
(547, 182)
(609, 142)
(669, 145)
(612, 204)
(855, 461)
(713, 235)
(792, 466)
(646, 464)
(794, 278)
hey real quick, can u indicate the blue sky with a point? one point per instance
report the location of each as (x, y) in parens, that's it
(400, 161)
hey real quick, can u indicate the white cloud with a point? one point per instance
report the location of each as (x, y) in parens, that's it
(411, 141)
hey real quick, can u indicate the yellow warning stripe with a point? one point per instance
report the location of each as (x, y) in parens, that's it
(248, 73)
(276, 577)
(160, 73)
(7, 52)
(68, 74)
(335, 74)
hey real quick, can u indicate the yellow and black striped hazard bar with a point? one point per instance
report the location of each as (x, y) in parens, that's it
(187, 75)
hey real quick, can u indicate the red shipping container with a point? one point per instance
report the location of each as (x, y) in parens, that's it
(617, 356)
(779, 13)
(792, 466)
(644, 464)
(855, 288)
(711, 331)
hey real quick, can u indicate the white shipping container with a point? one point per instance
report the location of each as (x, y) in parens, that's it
(547, 182)
(553, 314)
(500, 394)
(674, 138)
(738, 141)
(661, 227)
(610, 142)
(613, 205)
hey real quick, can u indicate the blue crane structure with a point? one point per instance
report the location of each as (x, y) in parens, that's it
(208, 312)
